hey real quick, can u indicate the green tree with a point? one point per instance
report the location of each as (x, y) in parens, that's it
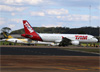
(6, 29)
(81, 32)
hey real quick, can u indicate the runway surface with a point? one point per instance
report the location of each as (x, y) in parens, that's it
(31, 63)
(42, 51)
(46, 59)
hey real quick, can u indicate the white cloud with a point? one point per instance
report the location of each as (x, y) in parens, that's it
(76, 17)
(10, 8)
(21, 2)
(11, 26)
(98, 7)
(50, 12)
(52, 25)
(95, 17)
(37, 13)
(2, 21)
(16, 20)
(34, 2)
(13, 14)
(57, 11)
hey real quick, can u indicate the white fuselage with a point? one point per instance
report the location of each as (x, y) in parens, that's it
(73, 37)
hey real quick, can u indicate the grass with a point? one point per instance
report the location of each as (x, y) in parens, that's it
(76, 49)
(90, 44)
(7, 43)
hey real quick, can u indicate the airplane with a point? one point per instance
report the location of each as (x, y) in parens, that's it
(73, 39)
(9, 38)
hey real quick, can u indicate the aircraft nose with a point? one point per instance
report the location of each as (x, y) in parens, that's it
(96, 40)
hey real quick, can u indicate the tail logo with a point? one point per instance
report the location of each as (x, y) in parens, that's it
(29, 27)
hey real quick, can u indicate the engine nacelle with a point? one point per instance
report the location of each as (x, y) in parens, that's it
(75, 42)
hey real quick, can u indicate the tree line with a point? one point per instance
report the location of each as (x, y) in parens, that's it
(63, 30)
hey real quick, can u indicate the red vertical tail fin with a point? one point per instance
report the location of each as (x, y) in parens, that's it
(29, 32)
(27, 27)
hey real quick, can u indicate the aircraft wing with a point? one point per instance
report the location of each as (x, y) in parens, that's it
(65, 42)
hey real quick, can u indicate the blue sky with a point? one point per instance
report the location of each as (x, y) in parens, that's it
(49, 13)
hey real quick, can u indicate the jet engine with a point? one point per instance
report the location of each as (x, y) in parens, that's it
(75, 42)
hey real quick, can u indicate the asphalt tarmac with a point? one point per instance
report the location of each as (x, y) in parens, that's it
(46, 59)
(42, 51)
